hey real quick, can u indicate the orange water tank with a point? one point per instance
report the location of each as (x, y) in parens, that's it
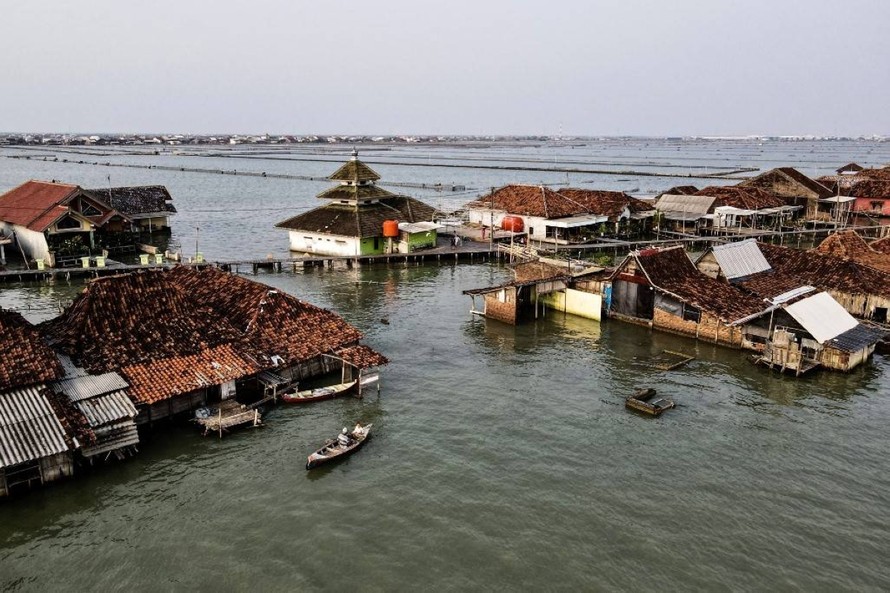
(513, 224)
(390, 228)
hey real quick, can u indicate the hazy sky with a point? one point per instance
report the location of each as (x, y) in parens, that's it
(450, 67)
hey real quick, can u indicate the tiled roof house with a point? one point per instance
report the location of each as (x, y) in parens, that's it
(177, 336)
(351, 223)
(36, 210)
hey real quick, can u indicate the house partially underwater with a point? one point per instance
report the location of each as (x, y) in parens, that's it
(186, 337)
(35, 447)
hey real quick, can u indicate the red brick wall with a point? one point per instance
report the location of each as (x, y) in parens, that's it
(495, 309)
(705, 330)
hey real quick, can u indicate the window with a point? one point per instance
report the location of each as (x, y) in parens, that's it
(90, 210)
(690, 313)
(68, 223)
(531, 231)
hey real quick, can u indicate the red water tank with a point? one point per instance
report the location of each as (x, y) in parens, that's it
(390, 228)
(513, 224)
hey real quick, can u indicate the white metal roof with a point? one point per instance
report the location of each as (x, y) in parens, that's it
(570, 222)
(418, 227)
(29, 429)
(822, 316)
(742, 258)
(838, 199)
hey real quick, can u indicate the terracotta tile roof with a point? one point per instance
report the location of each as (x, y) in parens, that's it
(135, 200)
(823, 271)
(537, 270)
(788, 183)
(161, 379)
(173, 331)
(682, 190)
(745, 198)
(362, 357)
(35, 204)
(134, 318)
(671, 270)
(606, 203)
(25, 358)
(850, 245)
(362, 221)
(870, 188)
(850, 167)
(273, 322)
(530, 200)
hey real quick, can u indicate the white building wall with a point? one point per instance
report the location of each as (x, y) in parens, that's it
(535, 226)
(321, 244)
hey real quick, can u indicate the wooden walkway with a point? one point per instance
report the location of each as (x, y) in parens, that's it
(469, 252)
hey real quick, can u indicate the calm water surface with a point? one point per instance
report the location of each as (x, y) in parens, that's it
(502, 457)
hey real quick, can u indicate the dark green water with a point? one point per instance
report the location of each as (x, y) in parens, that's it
(502, 459)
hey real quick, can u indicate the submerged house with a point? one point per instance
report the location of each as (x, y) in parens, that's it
(148, 207)
(541, 213)
(102, 406)
(625, 214)
(766, 271)
(737, 209)
(34, 446)
(816, 331)
(684, 213)
(662, 288)
(42, 214)
(795, 188)
(361, 218)
(186, 337)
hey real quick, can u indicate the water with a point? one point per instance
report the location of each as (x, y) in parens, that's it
(502, 459)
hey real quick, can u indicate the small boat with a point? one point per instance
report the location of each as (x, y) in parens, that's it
(644, 400)
(318, 394)
(334, 450)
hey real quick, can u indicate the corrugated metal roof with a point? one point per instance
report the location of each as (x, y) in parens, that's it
(112, 438)
(687, 204)
(857, 338)
(104, 409)
(87, 386)
(29, 429)
(740, 259)
(822, 316)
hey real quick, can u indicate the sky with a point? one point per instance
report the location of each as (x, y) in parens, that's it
(480, 67)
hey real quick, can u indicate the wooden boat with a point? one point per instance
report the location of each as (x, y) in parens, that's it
(644, 400)
(318, 394)
(334, 450)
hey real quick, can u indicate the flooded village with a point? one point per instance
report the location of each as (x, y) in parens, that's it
(130, 337)
(157, 334)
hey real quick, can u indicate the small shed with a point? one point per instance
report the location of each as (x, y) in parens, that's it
(818, 331)
(417, 235)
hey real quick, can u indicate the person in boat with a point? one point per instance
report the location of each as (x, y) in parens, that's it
(357, 430)
(343, 438)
